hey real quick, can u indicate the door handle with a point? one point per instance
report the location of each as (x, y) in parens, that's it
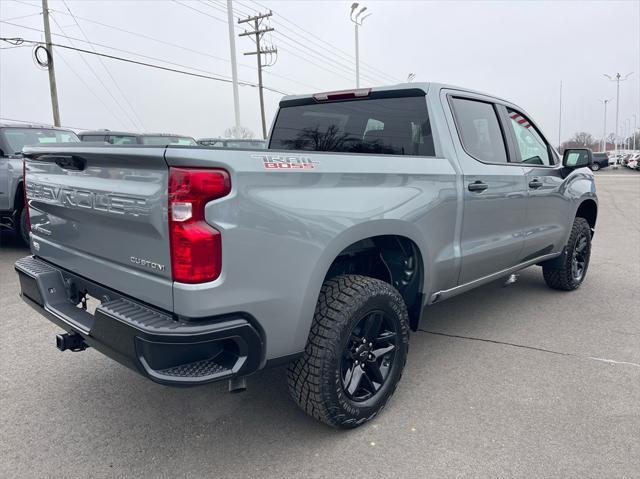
(535, 183)
(478, 186)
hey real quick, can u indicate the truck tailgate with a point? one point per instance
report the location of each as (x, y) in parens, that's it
(101, 212)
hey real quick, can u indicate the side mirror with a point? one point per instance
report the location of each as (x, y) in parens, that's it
(577, 158)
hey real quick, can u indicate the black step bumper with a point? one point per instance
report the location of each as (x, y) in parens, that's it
(147, 340)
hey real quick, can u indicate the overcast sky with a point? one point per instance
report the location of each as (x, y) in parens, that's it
(514, 49)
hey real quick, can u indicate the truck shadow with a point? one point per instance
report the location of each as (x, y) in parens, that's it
(9, 241)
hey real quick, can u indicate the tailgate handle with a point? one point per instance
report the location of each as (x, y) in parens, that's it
(71, 162)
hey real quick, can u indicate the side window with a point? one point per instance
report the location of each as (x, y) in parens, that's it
(122, 140)
(479, 129)
(93, 138)
(532, 147)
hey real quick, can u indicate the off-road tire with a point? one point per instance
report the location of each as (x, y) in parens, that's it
(315, 381)
(23, 227)
(561, 277)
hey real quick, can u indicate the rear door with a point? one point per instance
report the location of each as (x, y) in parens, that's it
(547, 219)
(494, 189)
(101, 212)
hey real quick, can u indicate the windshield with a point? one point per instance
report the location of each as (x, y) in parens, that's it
(391, 126)
(18, 138)
(168, 140)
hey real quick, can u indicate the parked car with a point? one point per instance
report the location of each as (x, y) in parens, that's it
(319, 252)
(127, 138)
(13, 138)
(233, 143)
(633, 160)
(624, 158)
(600, 160)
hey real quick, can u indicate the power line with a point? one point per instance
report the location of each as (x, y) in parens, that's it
(135, 113)
(199, 11)
(331, 64)
(87, 86)
(348, 56)
(182, 47)
(158, 67)
(347, 69)
(91, 69)
(259, 31)
(22, 16)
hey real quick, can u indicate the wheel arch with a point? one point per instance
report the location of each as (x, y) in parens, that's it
(393, 239)
(588, 210)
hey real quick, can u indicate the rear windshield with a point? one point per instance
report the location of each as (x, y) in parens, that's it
(168, 140)
(18, 138)
(388, 126)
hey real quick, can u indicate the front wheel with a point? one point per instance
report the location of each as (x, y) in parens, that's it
(355, 354)
(572, 270)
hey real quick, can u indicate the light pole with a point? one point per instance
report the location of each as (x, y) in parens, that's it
(234, 67)
(627, 129)
(357, 21)
(604, 128)
(635, 130)
(618, 78)
(560, 116)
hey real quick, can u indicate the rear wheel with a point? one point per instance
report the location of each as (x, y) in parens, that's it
(595, 167)
(356, 352)
(570, 274)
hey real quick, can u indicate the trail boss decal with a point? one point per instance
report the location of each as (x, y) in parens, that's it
(280, 162)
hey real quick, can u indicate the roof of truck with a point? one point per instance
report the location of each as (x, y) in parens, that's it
(424, 86)
(32, 125)
(127, 133)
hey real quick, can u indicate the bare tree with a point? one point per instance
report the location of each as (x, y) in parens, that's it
(238, 132)
(581, 139)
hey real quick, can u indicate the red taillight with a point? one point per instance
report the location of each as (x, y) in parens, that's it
(196, 247)
(24, 193)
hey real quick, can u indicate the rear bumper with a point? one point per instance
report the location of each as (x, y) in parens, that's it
(145, 339)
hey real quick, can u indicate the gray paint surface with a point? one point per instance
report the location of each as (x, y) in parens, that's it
(281, 230)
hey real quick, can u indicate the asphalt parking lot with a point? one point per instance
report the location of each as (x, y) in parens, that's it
(516, 381)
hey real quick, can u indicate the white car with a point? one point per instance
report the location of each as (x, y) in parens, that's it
(633, 160)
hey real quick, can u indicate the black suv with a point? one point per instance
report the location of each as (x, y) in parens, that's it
(600, 160)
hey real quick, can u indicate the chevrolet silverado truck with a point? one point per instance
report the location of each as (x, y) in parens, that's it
(13, 214)
(194, 264)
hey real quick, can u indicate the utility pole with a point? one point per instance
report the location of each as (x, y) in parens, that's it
(357, 22)
(560, 117)
(618, 78)
(52, 74)
(258, 32)
(234, 67)
(604, 129)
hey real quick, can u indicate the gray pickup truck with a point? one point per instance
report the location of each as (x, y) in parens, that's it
(13, 138)
(196, 264)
